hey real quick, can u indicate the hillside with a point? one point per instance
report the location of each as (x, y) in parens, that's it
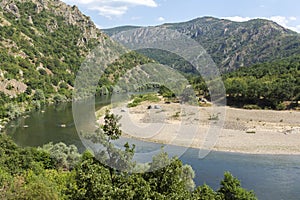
(42, 46)
(236, 44)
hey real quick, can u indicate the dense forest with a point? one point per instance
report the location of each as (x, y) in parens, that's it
(58, 171)
(274, 85)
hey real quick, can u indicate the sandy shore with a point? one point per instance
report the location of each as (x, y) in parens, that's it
(219, 129)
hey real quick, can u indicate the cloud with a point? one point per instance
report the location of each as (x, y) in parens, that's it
(161, 19)
(109, 11)
(281, 20)
(112, 8)
(295, 28)
(238, 18)
(98, 26)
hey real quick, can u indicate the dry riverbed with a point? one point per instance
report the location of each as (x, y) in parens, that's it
(216, 128)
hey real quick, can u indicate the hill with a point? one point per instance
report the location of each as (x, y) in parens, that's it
(42, 46)
(236, 44)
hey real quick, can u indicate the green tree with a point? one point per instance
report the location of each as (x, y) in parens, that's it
(231, 189)
(64, 156)
(204, 192)
(118, 160)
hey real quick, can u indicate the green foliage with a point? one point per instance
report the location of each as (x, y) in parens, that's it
(65, 157)
(138, 99)
(231, 189)
(170, 177)
(34, 174)
(111, 128)
(204, 192)
(39, 96)
(92, 178)
(265, 85)
(59, 98)
(166, 93)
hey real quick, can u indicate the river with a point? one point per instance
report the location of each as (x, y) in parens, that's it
(269, 176)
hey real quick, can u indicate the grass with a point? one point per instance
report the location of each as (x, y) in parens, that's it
(101, 112)
(176, 115)
(138, 99)
(214, 117)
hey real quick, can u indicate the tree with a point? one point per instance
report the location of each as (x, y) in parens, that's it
(39, 96)
(92, 178)
(64, 156)
(111, 127)
(231, 189)
(170, 177)
(118, 160)
(204, 192)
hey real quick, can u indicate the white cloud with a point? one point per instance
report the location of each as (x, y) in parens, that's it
(296, 28)
(112, 8)
(237, 18)
(149, 3)
(281, 20)
(161, 19)
(98, 26)
(109, 11)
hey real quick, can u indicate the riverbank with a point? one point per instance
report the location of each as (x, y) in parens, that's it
(220, 129)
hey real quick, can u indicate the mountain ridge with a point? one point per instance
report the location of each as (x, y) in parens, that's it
(236, 44)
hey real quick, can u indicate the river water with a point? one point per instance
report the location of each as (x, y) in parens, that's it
(269, 176)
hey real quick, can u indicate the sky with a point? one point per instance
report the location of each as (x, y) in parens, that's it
(112, 13)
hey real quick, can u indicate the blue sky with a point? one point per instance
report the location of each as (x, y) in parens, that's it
(111, 13)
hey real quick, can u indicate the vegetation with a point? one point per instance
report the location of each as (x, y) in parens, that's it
(138, 99)
(42, 50)
(241, 44)
(57, 171)
(270, 78)
(273, 85)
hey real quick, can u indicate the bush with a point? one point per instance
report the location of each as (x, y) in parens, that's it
(280, 106)
(251, 107)
(145, 97)
(59, 98)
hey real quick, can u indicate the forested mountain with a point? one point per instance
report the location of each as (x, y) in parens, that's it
(44, 42)
(42, 45)
(235, 44)
(259, 59)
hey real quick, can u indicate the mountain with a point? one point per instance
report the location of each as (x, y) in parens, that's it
(115, 30)
(42, 46)
(236, 44)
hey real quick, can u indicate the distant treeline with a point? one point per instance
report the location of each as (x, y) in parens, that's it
(273, 85)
